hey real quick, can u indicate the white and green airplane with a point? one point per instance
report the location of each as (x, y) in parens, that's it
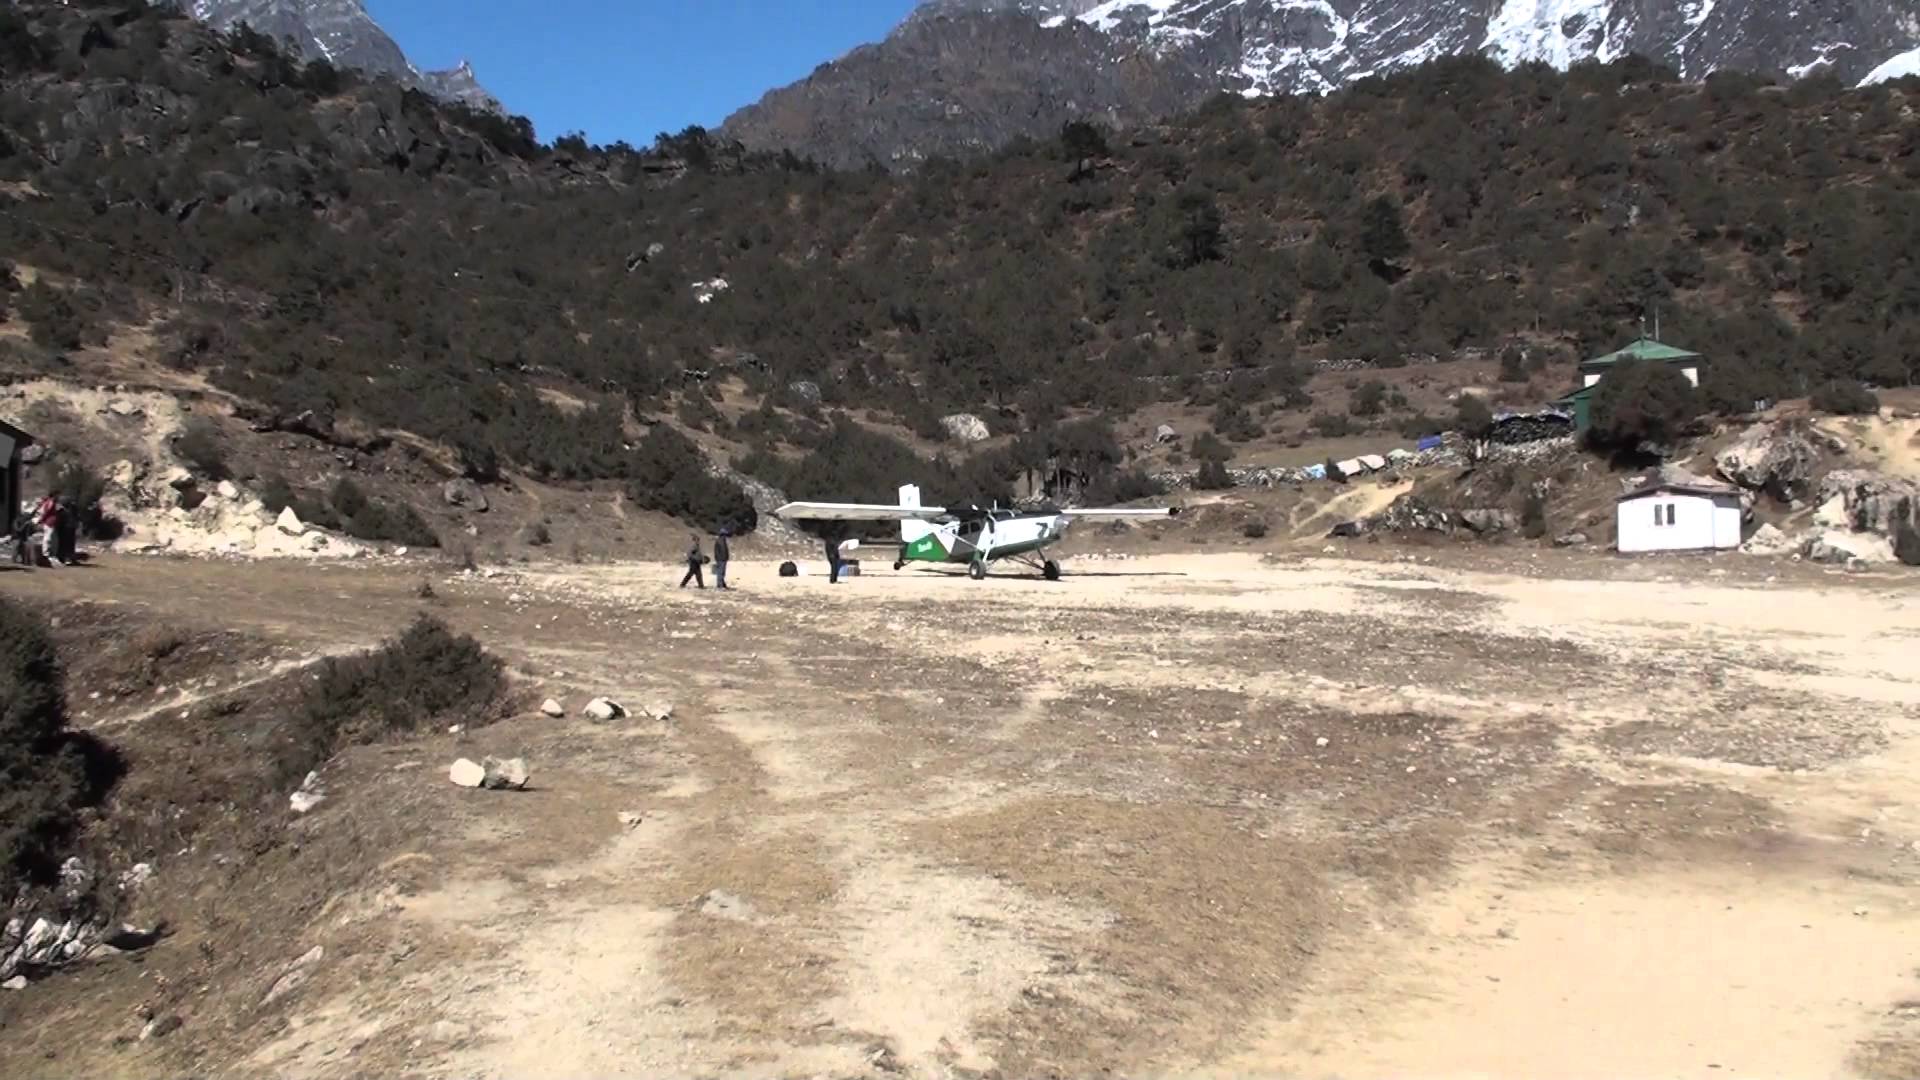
(973, 536)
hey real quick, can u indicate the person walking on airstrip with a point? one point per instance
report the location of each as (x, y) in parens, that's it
(720, 553)
(694, 559)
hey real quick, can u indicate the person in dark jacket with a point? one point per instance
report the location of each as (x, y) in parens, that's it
(720, 553)
(23, 537)
(833, 559)
(694, 559)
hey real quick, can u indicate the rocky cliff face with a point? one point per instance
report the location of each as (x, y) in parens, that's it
(342, 33)
(961, 74)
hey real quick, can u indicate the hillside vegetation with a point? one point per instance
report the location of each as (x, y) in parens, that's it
(314, 242)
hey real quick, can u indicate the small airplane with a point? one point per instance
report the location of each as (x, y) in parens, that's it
(973, 536)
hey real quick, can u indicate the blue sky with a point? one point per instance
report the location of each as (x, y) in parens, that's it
(629, 69)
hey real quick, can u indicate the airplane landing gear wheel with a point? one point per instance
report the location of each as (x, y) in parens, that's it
(1050, 570)
(977, 570)
(899, 564)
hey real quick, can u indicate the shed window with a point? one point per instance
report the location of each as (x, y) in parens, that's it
(1671, 509)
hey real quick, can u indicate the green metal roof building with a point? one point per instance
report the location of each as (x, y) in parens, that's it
(1580, 401)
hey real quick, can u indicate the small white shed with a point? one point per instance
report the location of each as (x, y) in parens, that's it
(1679, 514)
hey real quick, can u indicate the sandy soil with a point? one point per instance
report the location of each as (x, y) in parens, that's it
(1176, 815)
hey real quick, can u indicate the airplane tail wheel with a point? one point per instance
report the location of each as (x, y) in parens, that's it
(977, 570)
(899, 564)
(1051, 569)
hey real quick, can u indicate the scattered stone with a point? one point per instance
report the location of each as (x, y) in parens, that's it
(659, 710)
(467, 773)
(309, 795)
(295, 974)
(1321, 741)
(464, 494)
(1572, 539)
(228, 490)
(553, 708)
(179, 479)
(18, 982)
(725, 905)
(160, 1027)
(289, 522)
(123, 407)
(630, 819)
(135, 876)
(603, 709)
(501, 774)
(807, 392)
(1166, 434)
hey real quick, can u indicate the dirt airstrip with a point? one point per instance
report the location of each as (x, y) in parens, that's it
(1207, 815)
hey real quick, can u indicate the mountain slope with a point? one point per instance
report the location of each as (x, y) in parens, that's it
(343, 34)
(1264, 47)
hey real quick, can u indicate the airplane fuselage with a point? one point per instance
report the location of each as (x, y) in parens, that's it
(1001, 534)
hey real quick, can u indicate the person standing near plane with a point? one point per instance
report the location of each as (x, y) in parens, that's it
(833, 558)
(694, 559)
(720, 553)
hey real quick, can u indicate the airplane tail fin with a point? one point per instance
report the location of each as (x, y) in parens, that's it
(912, 530)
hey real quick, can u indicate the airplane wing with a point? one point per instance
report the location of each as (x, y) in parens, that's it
(1169, 511)
(815, 511)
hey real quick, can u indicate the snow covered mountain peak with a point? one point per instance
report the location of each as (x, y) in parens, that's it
(1291, 46)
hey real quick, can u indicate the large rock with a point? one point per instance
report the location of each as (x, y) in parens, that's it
(1778, 458)
(467, 773)
(1840, 546)
(465, 494)
(553, 708)
(289, 522)
(504, 773)
(1873, 502)
(1165, 434)
(965, 428)
(1483, 521)
(603, 709)
(229, 490)
(1769, 540)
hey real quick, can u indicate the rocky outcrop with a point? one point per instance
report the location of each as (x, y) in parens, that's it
(1873, 501)
(1780, 459)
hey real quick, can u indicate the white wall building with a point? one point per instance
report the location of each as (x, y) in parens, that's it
(1679, 515)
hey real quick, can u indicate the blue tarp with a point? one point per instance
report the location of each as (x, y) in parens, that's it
(1315, 472)
(1431, 442)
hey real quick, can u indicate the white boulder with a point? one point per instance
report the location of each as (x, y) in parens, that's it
(289, 522)
(1769, 540)
(965, 428)
(228, 490)
(467, 773)
(553, 708)
(603, 709)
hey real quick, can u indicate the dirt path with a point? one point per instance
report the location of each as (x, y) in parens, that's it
(1204, 816)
